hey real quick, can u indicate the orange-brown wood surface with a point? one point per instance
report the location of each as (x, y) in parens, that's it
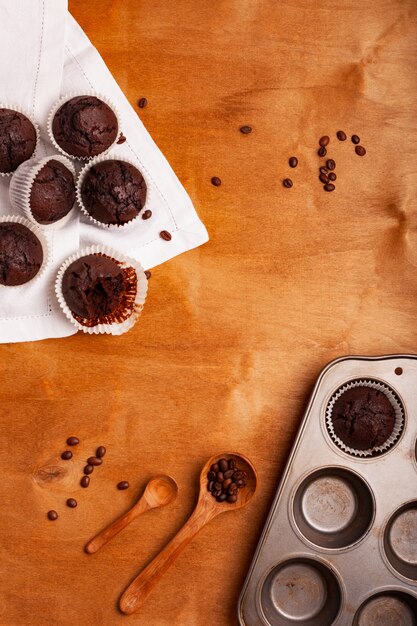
(235, 333)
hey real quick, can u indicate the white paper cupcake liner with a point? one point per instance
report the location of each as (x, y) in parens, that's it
(399, 417)
(13, 107)
(81, 177)
(21, 187)
(115, 328)
(76, 94)
(17, 219)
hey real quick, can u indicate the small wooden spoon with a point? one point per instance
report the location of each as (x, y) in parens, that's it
(159, 491)
(207, 508)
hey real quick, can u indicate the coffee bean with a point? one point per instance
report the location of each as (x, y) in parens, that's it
(220, 477)
(332, 176)
(148, 274)
(324, 178)
(233, 489)
(322, 151)
(231, 499)
(72, 503)
(329, 187)
(88, 469)
(142, 103)
(165, 235)
(216, 492)
(146, 214)
(123, 485)
(216, 181)
(287, 182)
(330, 164)
(211, 475)
(241, 483)
(355, 139)
(73, 441)
(52, 515)
(232, 464)
(245, 130)
(100, 452)
(238, 475)
(323, 141)
(222, 497)
(217, 486)
(229, 473)
(67, 455)
(323, 170)
(215, 468)
(85, 481)
(227, 483)
(360, 150)
(94, 460)
(210, 486)
(293, 161)
(223, 465)
(121, 139)
(341, 135)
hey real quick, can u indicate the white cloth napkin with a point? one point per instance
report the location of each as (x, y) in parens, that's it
(45, 54)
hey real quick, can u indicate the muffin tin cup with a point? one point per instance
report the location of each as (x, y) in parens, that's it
(84, 172)
(17, 219)
(398, 425)
(21, 187)
(65, 99)
(35, 124)
(114, 328)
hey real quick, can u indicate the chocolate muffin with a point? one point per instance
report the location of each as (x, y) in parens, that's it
(17, 140)
(113, 192)
(21, 254)
(85, 126)
(363, 418)
(53, 193)
(97, 289)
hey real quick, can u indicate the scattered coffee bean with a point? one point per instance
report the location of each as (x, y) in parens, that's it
(67, 455)
(165, 235)
(88, 469)
(100, 452)
(324, 178)
(323, 170)
(142, 103)
(232, 499)
(216, 181)
(85, 481)
(123, 485)
(146, 214)
(330, 164)
(121, 139)
(293, 161)
(287, 182)
(72, 503)
(224, 480)
(355, 139)
(322, 151)
(52, 515)
(223, 465)
(323, 141)
(148, 274)
(329, 187)
(332, 176)
(245, 130)
(341, 135)
(73, 441)
(360, 150)
(94, 460)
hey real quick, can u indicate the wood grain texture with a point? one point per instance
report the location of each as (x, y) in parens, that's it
(233, 334)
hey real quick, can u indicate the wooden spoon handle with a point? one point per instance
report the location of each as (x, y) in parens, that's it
(113, 529)
(140, 588)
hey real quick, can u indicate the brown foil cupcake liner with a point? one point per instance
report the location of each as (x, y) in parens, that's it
(399, 417)
(78, 94)
(138, 300)
(84, 171)
(13, 107)
(18, 219)
(21, 187)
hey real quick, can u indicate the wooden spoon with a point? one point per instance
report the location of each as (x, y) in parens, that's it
(159, 491)
(207, 508)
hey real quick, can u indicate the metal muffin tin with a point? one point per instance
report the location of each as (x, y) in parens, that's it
(340, 543)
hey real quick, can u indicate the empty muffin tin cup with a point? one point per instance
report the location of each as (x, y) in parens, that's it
(333, 508)
(400, 541)
(387, 608)
(17, 219)
(398, 425)
(19, 109)
(300, 591)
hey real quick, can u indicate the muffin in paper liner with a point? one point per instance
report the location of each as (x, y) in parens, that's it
(392, 397)
(21, 187)
(118, 326)
(79, 94)
(17, 219)
(81, 177)
(18, 109)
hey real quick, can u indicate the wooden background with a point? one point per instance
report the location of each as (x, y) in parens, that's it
(234, 334)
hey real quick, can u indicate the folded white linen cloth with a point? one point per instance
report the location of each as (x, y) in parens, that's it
(44, 54)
